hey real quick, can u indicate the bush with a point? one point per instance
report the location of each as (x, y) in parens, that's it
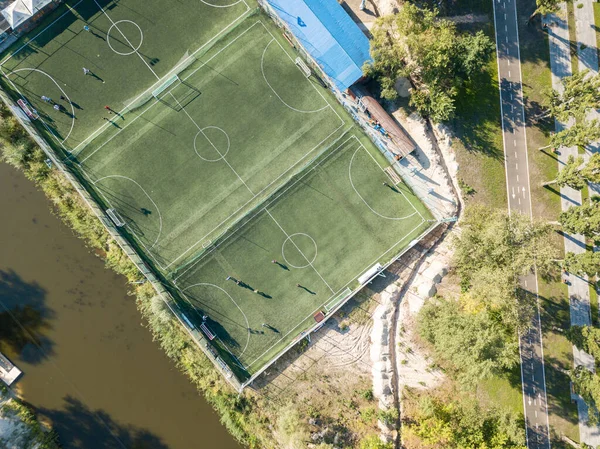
(367, 394)
(389, 417)
(373, 442)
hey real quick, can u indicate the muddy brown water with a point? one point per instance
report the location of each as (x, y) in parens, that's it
(89, 365)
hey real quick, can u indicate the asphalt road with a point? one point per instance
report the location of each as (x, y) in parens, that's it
(519, 200)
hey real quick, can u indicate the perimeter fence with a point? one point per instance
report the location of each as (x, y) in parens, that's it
(123, 243)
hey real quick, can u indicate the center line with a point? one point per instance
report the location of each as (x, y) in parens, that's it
(299, 250)
(212, 144)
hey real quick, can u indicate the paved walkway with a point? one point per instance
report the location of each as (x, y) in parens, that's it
(578, 288)
(533, 377)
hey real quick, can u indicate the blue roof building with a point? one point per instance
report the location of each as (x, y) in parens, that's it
(329, 35)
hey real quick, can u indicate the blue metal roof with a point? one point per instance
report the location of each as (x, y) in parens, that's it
(330, 36)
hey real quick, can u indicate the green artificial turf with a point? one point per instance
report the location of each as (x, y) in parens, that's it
(325, 228)
(184, 168)
(239, 161)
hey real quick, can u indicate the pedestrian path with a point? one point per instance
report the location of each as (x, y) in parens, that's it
(578, 287)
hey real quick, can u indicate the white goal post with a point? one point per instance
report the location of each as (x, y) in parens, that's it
(156, 93)
(302, 65)
(115, 217)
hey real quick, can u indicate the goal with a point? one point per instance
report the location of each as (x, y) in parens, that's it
(175, 93)
(160, 90)
(302, 66)
(115, 217)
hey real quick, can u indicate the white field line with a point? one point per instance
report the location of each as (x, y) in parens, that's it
(268, 203)
(335, 294)
(262, 69)
(365, 201)
(314, 87)
(149, 197)
(262, 190)
(60, 142)
(232, 300)
(251, 199)
(213, 145)
(299, 250)
(125, 37)
(37, 35)
(59, 88)
(377, 163)
(139, 240)
(166, 76)
(153, 104)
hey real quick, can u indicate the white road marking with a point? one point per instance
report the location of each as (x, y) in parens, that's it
(506, 28)
(517, 178)
(509, 73)
(515, 142)
(507, 39)
(526, 286)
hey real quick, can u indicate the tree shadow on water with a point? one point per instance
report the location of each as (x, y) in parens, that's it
(24, 319)
(80, 427)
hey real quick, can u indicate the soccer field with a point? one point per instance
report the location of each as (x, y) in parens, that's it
(323, 229)
(220, 156)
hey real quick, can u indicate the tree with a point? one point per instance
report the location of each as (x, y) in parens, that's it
(544, 7)
(494, 240)
(586, 263)
(463, 423)
(580, 96)
(584, 219)
(580, 134)
(570, 175)
(591, 171)
(437, 59)
(587, 385)
(472, 344)
(586, 338)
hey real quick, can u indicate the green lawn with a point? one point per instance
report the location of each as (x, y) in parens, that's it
(477, 124)
(316, 228)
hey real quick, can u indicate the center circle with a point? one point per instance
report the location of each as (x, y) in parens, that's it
(209, 143)
(299, 250)
(121, 39)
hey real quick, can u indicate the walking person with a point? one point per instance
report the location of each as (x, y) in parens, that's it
(87, 71)
(46, 99)
(110, 111)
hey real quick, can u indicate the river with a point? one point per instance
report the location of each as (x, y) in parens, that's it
(89, 365)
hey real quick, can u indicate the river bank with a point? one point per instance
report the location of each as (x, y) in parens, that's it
(89, 367)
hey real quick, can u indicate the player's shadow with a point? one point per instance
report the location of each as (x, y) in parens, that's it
(221, 332)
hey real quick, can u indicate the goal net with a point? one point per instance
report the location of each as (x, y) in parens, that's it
(115, 217)
(303, 67)
(176, 93)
